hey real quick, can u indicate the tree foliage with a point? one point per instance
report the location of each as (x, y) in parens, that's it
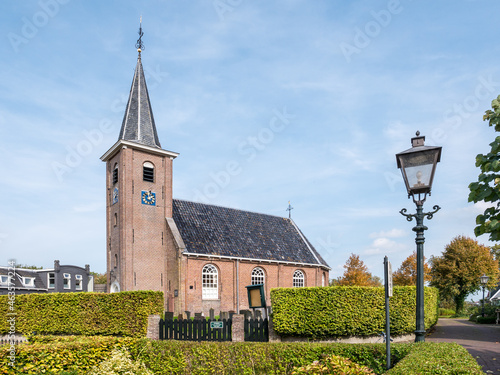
(356, 273)
(99, 278)
(456, 273)
(487, 188)
(406, 275)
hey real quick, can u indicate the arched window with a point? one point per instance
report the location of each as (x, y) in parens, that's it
(209, 282)
(323, 279)
(298, 279)
(116, 260)
(115, 174)
(258, 276)
(148, 172)
(116, 219)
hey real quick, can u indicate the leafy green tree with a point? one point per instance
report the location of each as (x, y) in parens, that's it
(487, 188)
(406, 275)
(99, 278)
(456, 273)
(356, 273)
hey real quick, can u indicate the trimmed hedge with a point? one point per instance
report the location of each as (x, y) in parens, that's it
(347, 311)
(53, 355)
(122, 314)
(437, 358)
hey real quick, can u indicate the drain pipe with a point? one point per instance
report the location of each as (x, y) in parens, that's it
(237, 286)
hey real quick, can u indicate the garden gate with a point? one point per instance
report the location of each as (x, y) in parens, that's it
(195, 330)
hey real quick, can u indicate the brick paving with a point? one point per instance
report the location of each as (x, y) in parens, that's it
(482, 341)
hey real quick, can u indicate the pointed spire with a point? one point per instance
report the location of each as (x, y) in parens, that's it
(138, 123)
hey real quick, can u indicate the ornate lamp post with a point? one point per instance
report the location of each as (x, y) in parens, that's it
(418, 165)
(484, 280)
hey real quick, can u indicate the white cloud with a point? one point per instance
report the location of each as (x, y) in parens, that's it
(393, 233)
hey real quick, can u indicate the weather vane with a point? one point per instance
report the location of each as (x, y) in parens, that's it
(289, 209)
(139, 45)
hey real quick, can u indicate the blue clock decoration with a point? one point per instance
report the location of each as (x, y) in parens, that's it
(148, 198)
(115, 195)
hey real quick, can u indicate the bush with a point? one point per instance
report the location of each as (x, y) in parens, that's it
(123, 314)
(333, 364)
(120, 363)
(437, 358)
(347, 311)
(79, 355)
(446, 312)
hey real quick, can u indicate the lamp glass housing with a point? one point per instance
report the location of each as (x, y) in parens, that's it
(418, 165)
(484, 279)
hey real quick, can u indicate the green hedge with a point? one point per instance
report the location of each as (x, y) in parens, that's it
(437, 358)
(53, 355)
(347, 311)
(122, 314)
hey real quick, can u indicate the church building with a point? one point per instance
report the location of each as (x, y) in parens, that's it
(200, 255)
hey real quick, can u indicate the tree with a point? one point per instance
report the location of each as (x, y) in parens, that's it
(99, 278)
(406, 275)
(487, 188)
(356, 273)
(456, 273)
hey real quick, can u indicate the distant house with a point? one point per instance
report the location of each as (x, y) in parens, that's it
(60, 279)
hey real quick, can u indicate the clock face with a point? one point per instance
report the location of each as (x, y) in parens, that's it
(115, 195)
(148, 198)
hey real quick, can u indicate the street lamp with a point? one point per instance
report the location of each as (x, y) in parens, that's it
(418, 165)
(484, 280)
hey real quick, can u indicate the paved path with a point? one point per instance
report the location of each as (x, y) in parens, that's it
(482, 341)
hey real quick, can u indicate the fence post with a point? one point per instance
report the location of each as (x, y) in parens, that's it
(273, 336)
(153, 331)
(238, 328)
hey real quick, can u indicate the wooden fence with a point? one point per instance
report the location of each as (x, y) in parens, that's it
(257, 330)
(195, 330)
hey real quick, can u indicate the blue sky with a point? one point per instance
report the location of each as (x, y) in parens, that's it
(266, 102)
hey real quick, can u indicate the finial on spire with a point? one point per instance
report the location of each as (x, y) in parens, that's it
(139, 45)
(289, 209)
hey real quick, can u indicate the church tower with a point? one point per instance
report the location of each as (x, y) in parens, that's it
(138, 196)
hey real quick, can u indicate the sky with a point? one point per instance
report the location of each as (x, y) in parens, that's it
(266, 103)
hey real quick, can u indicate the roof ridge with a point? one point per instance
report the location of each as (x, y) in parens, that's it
(232, 208)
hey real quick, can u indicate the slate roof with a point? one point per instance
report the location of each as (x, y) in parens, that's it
(138, 123)
(19, 273)
(213, 230)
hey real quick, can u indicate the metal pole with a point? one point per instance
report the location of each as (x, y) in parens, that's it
(387, 320)
(419, 240)
(482, 310)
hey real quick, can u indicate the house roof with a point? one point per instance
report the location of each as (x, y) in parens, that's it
(220, 231)
(138, 123)
(17, 279)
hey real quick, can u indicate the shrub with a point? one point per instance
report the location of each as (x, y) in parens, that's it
(347, 311)
(446, 312)
(78, 355)
(333, 364)
(437, 358)
(123, 314)
(120, 363)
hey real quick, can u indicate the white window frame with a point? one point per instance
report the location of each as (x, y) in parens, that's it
(48, 280)
(67, 281)
(78, 282)
(210, 282)
(258, 276)
(299, 279)
(4, 280)
(28, 281)
(323, 278)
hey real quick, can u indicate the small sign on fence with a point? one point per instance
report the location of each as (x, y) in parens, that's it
(215, 325)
